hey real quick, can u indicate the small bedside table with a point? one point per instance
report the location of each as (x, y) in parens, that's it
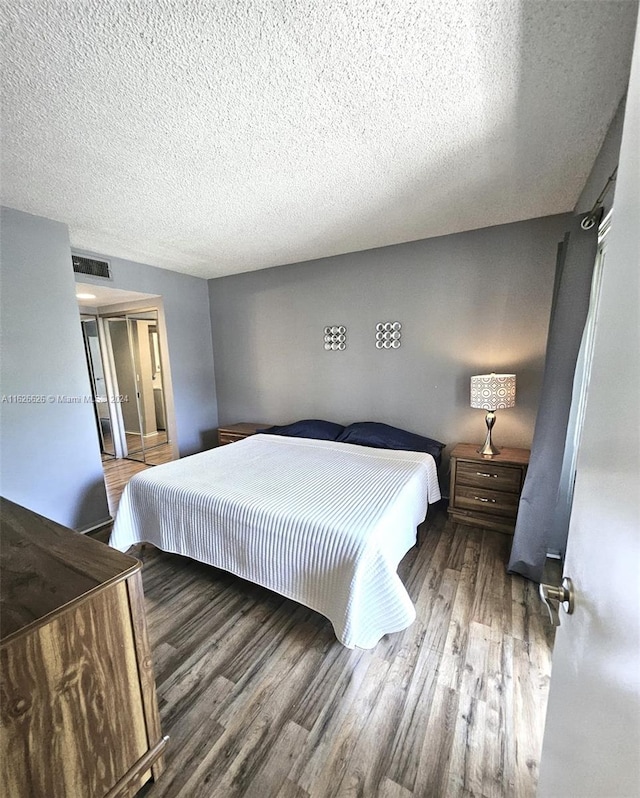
(485, 491)
(236, 432)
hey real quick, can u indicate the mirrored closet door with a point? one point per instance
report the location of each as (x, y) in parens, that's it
(139, 386)
(97, 379)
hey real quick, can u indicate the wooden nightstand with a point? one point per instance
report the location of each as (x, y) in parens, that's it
(236, 432)
(486, 491)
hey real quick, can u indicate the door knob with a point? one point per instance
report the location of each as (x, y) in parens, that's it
(553, 597)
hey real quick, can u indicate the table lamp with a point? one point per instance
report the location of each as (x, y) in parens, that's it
(492, 392)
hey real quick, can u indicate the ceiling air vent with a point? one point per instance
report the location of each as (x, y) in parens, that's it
(90, 266)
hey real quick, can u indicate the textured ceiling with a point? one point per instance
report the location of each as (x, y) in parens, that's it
(221, 137)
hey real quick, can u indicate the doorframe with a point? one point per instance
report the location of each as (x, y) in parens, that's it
(121, 309)
(586, 354)
(580, 390)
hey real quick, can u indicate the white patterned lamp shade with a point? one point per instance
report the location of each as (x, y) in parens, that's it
(492, 392)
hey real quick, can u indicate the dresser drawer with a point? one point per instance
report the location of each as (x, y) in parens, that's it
(486, 501)
(490, 476)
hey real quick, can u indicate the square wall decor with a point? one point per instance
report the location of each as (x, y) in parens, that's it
(388, 334)
(335, 338)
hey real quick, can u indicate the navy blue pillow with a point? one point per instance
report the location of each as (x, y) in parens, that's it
(308, 428)
(383, 436)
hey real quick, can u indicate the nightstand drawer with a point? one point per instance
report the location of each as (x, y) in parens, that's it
(228, 437)
(237, 432)
(486, 501)
(490, 476)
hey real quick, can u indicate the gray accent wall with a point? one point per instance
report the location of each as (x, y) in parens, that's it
(188, 321)
(469, 303)
(49, 449)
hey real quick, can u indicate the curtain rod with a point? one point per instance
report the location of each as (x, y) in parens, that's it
(590, 219)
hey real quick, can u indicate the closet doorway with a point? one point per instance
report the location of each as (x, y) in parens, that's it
(126, 350)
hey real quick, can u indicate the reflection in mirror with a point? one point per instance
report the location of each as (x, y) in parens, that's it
(148, 362)
(98, 385)
(126, 386)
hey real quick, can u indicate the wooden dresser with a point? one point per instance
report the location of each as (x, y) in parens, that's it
(79, 709)
(236, 432)
(486, 491)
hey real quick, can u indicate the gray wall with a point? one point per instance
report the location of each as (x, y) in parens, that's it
(50, 455)
(186, 307)
(469, 303)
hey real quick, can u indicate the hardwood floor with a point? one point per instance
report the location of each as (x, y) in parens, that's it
(116, 475)
(259, 699)
(157, 455)
(118, 472)
(156, 449)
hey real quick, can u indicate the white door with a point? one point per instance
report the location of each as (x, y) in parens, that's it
(591, 745)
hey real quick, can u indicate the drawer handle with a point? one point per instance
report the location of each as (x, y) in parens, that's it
(484, 474)
(482, 499)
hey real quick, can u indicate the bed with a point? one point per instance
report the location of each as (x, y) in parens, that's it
(323, 522)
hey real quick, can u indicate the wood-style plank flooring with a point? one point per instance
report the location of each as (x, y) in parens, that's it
(156, 448)
(117, 472)
(157, 455)
(116, 475)
(260, 700)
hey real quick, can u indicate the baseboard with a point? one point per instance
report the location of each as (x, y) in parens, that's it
(100, 526)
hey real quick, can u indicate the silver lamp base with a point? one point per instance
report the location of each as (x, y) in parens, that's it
(488, 449)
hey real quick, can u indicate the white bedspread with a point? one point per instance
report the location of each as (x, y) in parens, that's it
(323, 523)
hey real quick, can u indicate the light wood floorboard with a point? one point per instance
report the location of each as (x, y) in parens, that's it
(259, 699)
(117, 472)
(116, 475)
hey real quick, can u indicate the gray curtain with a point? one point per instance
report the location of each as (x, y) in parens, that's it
(541, 500)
